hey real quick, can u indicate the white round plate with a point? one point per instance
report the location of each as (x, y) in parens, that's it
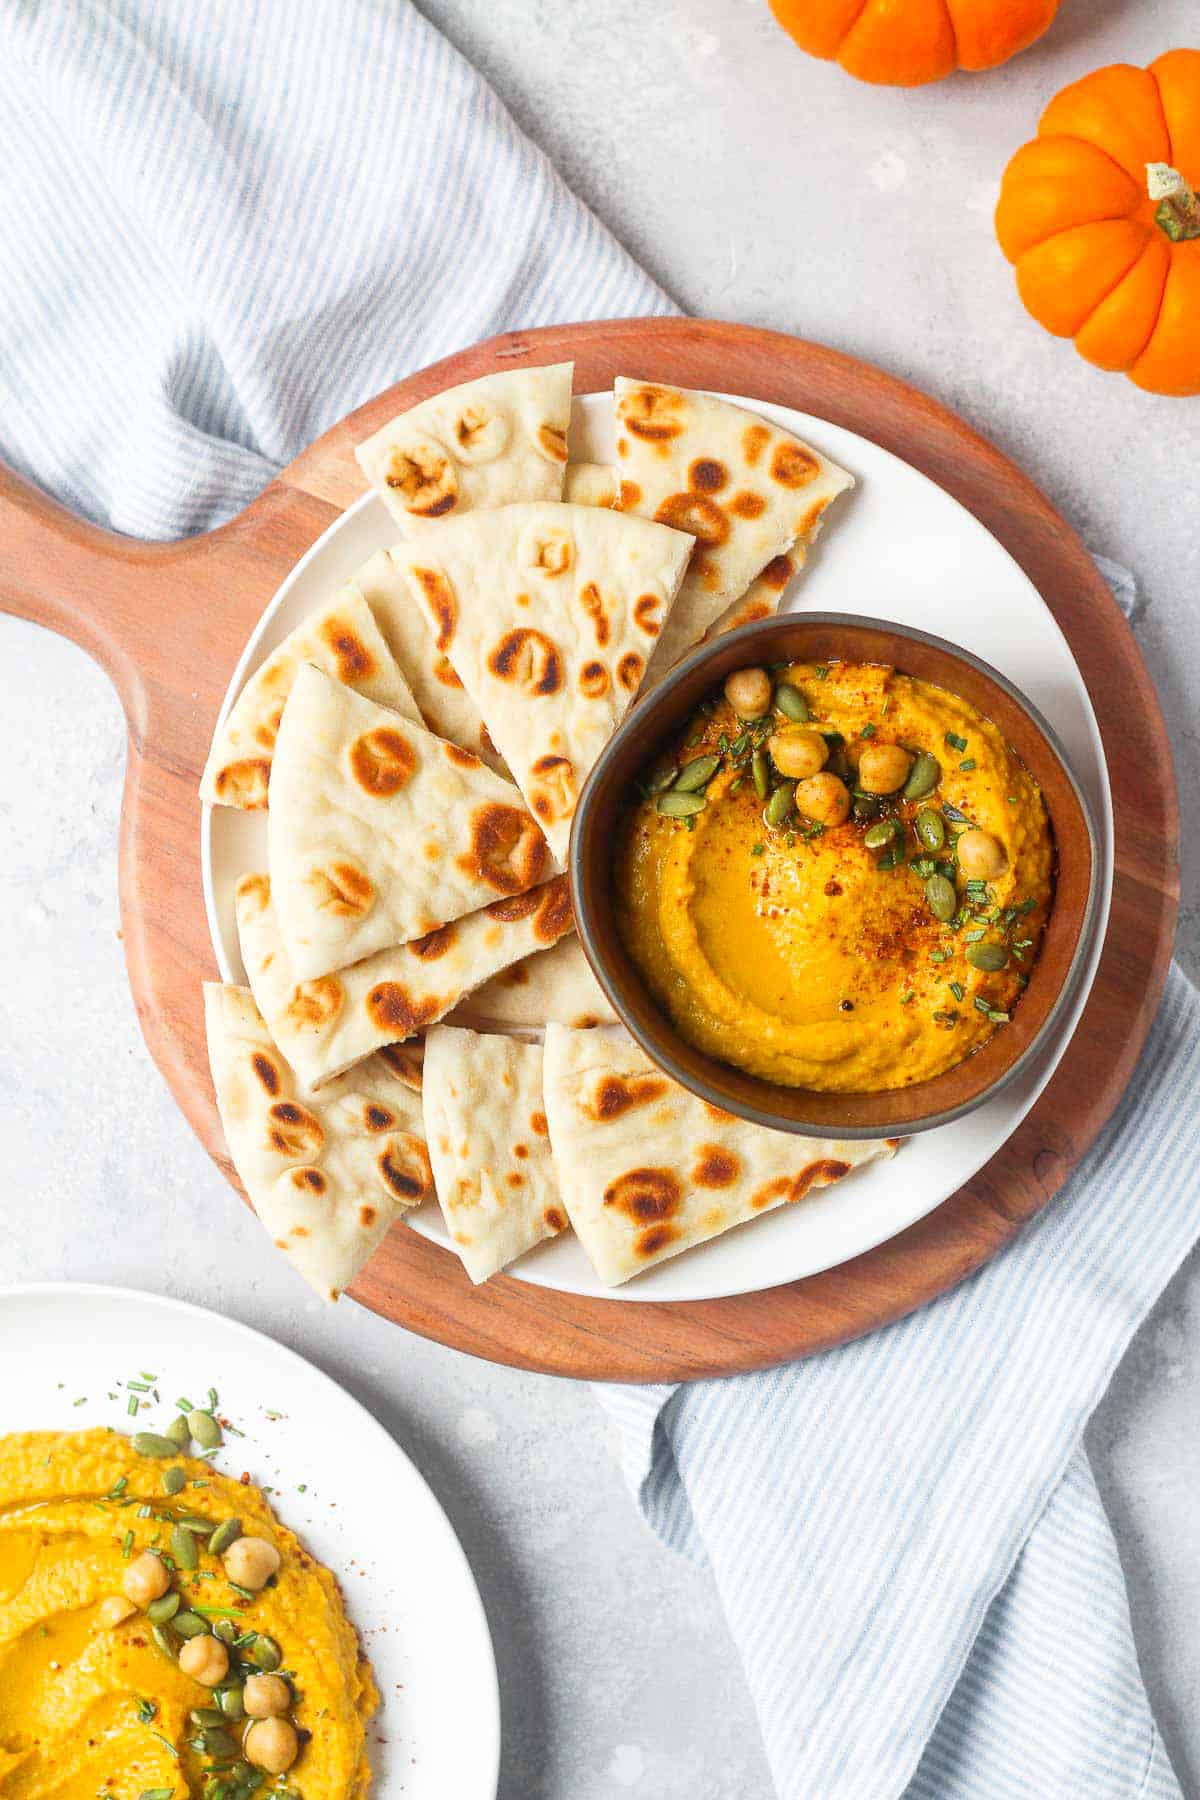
(898, 548)
(337, 1479)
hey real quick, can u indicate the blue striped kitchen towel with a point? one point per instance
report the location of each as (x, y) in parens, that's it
(226, 226)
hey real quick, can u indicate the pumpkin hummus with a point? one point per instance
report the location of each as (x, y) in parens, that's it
(90, 1708)
(852, 947)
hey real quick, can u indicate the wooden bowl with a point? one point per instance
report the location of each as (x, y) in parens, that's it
(832, 637)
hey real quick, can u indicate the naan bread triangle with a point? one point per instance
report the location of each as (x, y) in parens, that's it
(324, 1027)
(343, 639)
(328, 1176)
(749, 492)
(380, 832)
(548, 614)
(444, 702)
(491, 1161)
(591, 484)
(551, 987)
(482, 444)
(645, 1169)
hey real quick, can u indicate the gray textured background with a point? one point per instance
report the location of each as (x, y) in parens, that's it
(758, 185)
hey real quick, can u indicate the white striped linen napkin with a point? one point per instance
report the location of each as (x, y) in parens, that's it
(234, 224)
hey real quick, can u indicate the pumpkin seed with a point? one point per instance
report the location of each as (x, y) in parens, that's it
(988, 957)
(206, 1715)
(231, 1702)
(226, 1533)
(189, 1625)
(160, 1611)
(178, 1432)
(760, 769)
(943, 901)
(219, 1742)
(264, 1653)
(881, 835)
(923, 777)
(174, 1481)
(791, 703)
(676, 805)
(227, 1630)
(663, 779)
(865, 807)
(930, 828)
(183, 1548)
(205, 1430)
(150, 1443)
(166, 1641)
(696, 774)
(780, 805)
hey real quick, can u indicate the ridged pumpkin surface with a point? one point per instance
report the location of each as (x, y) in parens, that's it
(1076, 219)
(903, 43)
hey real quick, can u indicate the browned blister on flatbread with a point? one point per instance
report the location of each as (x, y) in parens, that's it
(325, 1026)
(326, 1175)
(488, 1147)
(381, 832)
(479, 445)
(749, 492)
(343, 639)
(549, 615)
(646, 1169)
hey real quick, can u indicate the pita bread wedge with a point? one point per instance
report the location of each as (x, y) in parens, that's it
(326, 1177)
(646, 1169)
(325, 1026)
(341, 638)
(445, 704)
(761, 599)
(380, 832)
(554, 986)
(488, 1147)
(482, 444)
(548, 614)
(591, 484)
(748, 490)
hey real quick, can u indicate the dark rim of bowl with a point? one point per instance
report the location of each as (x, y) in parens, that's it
(762, 631)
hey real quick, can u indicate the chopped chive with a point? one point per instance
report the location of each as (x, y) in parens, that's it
(955, 742)
(939, 956)
(967, 763)
(957, 989)
(132, 1407)
(907, 999)
(757, 849)
(868, 731)
(127, 1545)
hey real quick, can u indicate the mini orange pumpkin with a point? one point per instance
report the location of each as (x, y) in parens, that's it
(1100, 216)
(902, 43)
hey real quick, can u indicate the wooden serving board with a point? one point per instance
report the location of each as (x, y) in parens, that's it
(168, 622)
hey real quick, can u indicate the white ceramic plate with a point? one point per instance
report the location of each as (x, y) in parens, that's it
(66, 1351)
(898, 548)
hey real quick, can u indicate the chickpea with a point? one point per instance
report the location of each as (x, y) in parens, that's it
(882, 768)
(266, 1696)
(146, 1579)
(798, 753)
(271, 1744)
(114, 1611)
(206, 1660)
(749, 692)
(824, 799)
(250, 1562)
(981, 856)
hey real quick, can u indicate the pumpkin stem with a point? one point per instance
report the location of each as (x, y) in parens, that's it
(1178, 211)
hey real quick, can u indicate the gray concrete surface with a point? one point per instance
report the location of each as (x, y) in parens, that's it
(756, 185)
